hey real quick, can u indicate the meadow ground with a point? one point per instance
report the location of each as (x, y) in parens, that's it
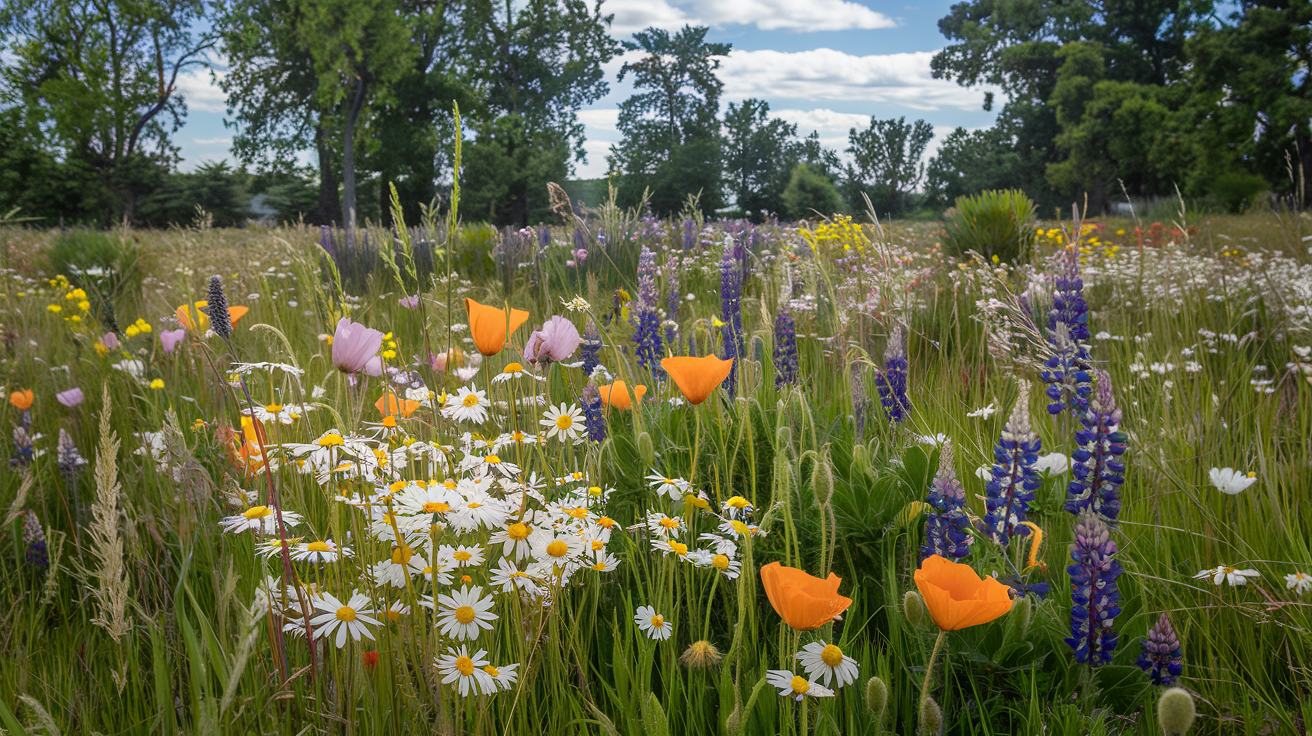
(518, 544)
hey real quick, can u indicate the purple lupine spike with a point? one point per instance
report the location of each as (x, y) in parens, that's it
(34, 540)
(689, 235)
(1014, 479)
(1068, 305)
(648, 334)
(892, 382)
(1095, 599)
(1096, 465)
(785, 349)
(731, 312)
(594, 418)
(859, 399)
(946, 525)
(590, 350)
(24, 452)
(1067, 373)
(1162, 657)
(69, 459)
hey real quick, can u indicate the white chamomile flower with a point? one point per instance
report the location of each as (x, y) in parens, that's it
(728, 567)
(464, 672)
(652, 624)
(397, 570)
(347, 619)
(675, 488)
(513, 371)
(983, 413)
(462, 614)
(664, 527)
(467, 405)
(796, 686)
(462, 556)
(259, 519)
(1224, 574)
(507, 577)
(514, 539)
(700, 557)
(503, 677)
(826, 661)
(1230, 481)
(1299, 582)
(563, 422)
(556, 547)
(321, 551)
(602, 561)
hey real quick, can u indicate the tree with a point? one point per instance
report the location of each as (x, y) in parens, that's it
(98, 83)
(969, 162)
(810, 192)
(671, 146)
(887, 160)
(760, 155)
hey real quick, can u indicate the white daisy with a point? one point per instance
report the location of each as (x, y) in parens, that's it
(1223, 574)
(662, 526)
(1299, 582)
(1054, 463)
(504, 677)
(322, 551)
(826, 661)
(477, 508)
(507, 576)
(1230, 481)
(513, 371)
(720, 545)
(796, 686)
(461, 556)
(347, 619)
(563, 422)
(462, 614)
(669, 546)
(259, 519)
(558, 548)
(514, 539)
(672, 487)
(652, 624)
(728, 567)
(737, 506)
(397, 570)
(467, 405)
(602, 561)
(466, 672)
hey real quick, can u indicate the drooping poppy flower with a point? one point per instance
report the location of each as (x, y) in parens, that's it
(618, 395)
(70, 398)
(697, 377)
(956, 597)
(354, 345)
(171, 338)
(22, 400)
(804, 602)
(197, 321)
(389, 405)
(489, 326)
(556, 341)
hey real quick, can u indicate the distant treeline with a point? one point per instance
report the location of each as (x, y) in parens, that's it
(1104, 100)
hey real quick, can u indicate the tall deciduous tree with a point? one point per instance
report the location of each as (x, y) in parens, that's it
(760, 154)
(887, 161)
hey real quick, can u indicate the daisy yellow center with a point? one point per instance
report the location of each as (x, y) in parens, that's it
(740, 527)
(564, 421)
(517, 531)
(831, 655)
(450, 484)
(474, 505)
(436, 507)
(517, 436)
(513, 368)
(258, 512)
(557, 548)
(493, 671)
(578, 513)
(398, 486)
(401, 555)
(658, 621)
(577, 475)
(738, 502)
(470, 400)
(273, 408)
(720, 562)
(678, 548)
(393, 614)
(346, 613)
(330, 440)
(800, 685)
(598, 545)
(669, 523)
(599, 567)
(465, 665)
(463, 556)
(605, 522)
(464, 614)
(594, 491)
(492, 460)
(1228, 570)
(318, 547)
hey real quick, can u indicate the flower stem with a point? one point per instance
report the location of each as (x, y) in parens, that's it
(929, 668)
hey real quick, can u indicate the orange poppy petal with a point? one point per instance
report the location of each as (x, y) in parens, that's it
(625, 398)
(236, 313)
(804, 602)
(697, 377)
(957, 597)
(489, 326)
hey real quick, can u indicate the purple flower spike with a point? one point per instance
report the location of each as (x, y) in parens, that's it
(1162, 656)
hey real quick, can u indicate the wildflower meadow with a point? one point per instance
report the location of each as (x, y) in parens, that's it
(616, 474)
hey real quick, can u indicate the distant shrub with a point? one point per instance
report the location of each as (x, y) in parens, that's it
(1236, 192)
(809, 192)
(107, 267)
(997, 222)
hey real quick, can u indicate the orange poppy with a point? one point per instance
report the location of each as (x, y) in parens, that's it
(389, 405)
(489, 326)
(624, 399)
(247, 445)
(202, 320)
(956, 597)
(802, 601)
(697, 377)
(22, 400)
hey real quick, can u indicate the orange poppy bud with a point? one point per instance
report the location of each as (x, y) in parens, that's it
(624, 399)
(489, 326)
(697, 377)
(956, 597)
(22, 400)
(389, 405)
(804, 602)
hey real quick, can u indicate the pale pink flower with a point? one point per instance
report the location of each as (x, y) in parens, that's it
(171, 338)
(354, 345)
(556, 341)
(70, 398)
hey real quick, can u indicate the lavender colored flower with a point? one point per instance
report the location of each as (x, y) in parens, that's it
(1068, 305)
(1096, 463)
(70, 398)
(1014, 480)
(555, 341)
(892, 382)
(409, 302)
(594, 416)
(1161, 658)
(217, 306)
(1067, 373)
(354, 345)
(24, 452)
(731, 311)
(785, 349)
(591, 351)
(689, 235)
(648, 336)
(1095, 599)
(70, 460)
(110, 340)
(946, 524)
(34, 539)
(171, 338)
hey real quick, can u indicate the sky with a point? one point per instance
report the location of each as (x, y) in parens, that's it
(826, 65)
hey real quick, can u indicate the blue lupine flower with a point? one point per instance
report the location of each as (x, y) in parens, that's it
(1096, 463)
(785, 349)
(1161, 658)
(648, 319)
(1068, 305)
(24, 452)
(1095, 599)
(591, 348)
(892, 383)
(1067, 373)
(34, 539)
(946, 524)
(1014, 479)
(731, 311)
(594, 418)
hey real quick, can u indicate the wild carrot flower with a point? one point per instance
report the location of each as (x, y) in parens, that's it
(1067, 373)
(785, 349)
(593, 416)
(731, 310)
(946, 522)
(892, 382)
(1096, 465)
(1014, 479)
(957, 597)
(804, 602)
(650, 351)
(1095, 599)
(1161, 657)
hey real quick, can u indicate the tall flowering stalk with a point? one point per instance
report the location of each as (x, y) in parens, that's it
(731, 311)
(1069, 313)
(785, 349)
(648, 336)
(1096, 463)
(1095, 599)
(220, 319)
(1014, 479)
(34, 540)
(590, 349)
(1161, 658)
(1068, 305)
(892, 382)
(946, 525)
(594, 418)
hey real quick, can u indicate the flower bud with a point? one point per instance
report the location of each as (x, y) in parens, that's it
(1175, 712)
(913, 607)
(876, 700)
(931, 718)
(734, 722)
(645, 449)
(822, 481)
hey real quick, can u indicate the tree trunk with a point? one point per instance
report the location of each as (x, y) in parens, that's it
(329, 211)
(348, 155)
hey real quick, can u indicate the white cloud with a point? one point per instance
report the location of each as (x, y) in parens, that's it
(201, 90)
(605, 119)
(212, 141)
(596, 166)
(767, 15)
(825, 74)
